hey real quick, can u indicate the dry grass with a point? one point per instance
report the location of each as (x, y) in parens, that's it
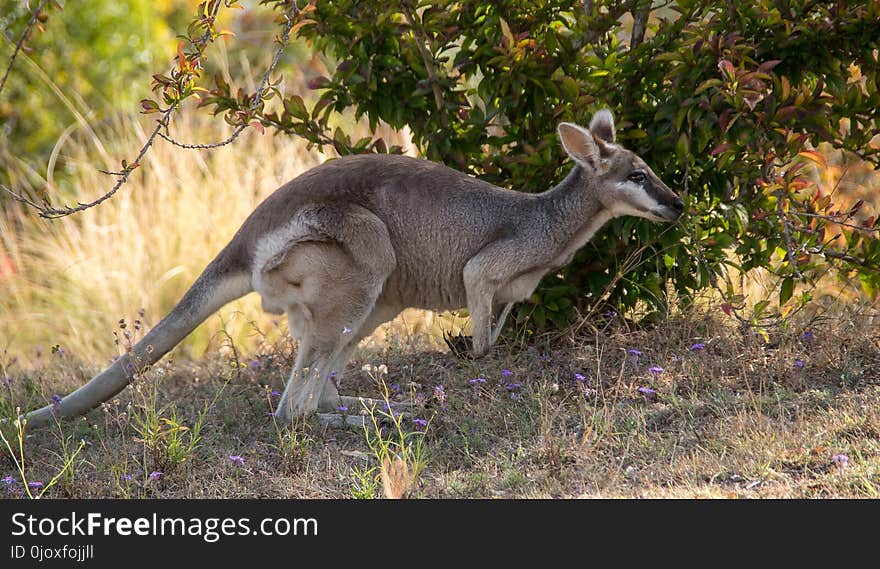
(737, 418)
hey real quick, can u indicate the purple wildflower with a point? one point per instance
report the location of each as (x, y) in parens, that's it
(515, 396)
(341, 408)
(388, 405)
(9, 480)
(275, 393)
(506, 373)
(609, 314)
(840, 461)
(579, 377)
(36, 484)
(7, 380)
(634, 352)
(440, 395)
(56, 399)
(807, 335)
(420, 423)
(697, 346)
(477, 380)
(799, 363)
(656, 370)
(395, 387)
(126, 477)
(236, 459)
(157, 475)
(648, 393)
(512, 386)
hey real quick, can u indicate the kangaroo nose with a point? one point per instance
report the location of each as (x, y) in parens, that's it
(678, 205)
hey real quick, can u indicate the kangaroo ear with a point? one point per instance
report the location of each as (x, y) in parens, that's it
(602, 126)
(579, 143)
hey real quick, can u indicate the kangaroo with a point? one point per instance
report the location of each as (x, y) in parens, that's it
(349, 244)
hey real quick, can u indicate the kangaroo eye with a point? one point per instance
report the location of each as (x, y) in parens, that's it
(638, 177)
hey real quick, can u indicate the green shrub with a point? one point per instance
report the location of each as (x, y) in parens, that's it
(726, 101)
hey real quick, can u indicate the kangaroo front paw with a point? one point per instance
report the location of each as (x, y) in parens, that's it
(282, 414)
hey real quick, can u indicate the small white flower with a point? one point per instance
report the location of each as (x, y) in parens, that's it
(346, 330)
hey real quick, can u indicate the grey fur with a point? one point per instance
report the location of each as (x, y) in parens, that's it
(347, 245)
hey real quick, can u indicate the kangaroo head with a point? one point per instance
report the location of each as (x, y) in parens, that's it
(622, 182)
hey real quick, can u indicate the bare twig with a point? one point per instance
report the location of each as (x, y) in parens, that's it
(849, 259)
(24, 34)
(835, 220)
(588, 7)
(641, 12)
(49, 212)
(786, 230)
(433, 77)
(257, 97)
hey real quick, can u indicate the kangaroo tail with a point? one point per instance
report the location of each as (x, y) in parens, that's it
(215, 287)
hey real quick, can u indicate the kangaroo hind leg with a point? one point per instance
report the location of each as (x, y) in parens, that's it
(330, 398)
(338, 283)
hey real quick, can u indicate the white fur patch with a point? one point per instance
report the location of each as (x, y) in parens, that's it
(268, 247)
(277, 241)
(632, 199)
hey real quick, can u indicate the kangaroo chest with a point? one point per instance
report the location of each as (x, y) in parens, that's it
(521, 286)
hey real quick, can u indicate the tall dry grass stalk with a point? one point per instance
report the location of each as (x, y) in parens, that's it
(397, 479)
(69, 281)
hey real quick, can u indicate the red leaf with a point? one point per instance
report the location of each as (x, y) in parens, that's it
(726, 307)
(259, 126)
(181, 58)
(719, 149)
(319, 82)
(727, 67)
(768, 65)
(149, 106)
(814, 156)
